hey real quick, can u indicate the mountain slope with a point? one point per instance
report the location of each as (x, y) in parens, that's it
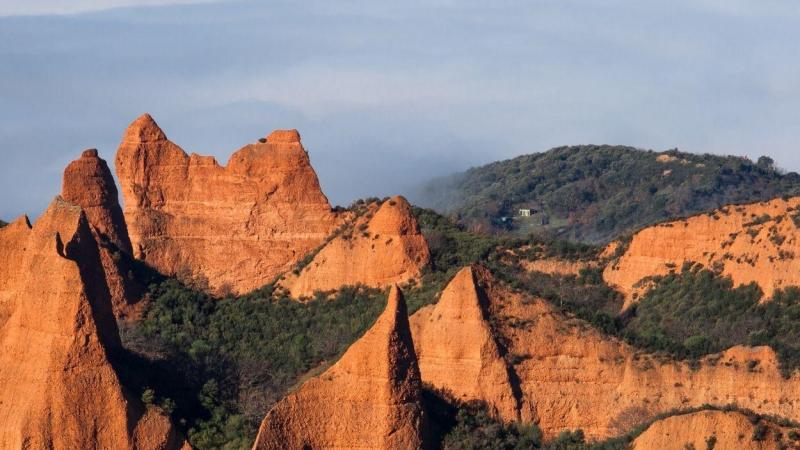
(595, 193)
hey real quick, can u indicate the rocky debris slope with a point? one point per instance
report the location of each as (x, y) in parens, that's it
(237, 226)
(370, 399)
(750, 243)
(458, 351)
(88, 183)
(382, 248)
(58, 389)
(728, 430)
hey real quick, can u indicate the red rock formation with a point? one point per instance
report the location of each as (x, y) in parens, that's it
(370, 399)
(572, 376)
(384, 249)
(238, 226)
(458, 350)
(728, 430)
(57, 387)
(88, 183)
(750, 243)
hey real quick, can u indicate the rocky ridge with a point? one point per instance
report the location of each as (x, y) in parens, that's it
(237, 226)
(382, 247)
(571, 376)
(728, 430)
(755, 243)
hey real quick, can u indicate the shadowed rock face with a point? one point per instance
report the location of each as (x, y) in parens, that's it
(384, 249)
(458, 350)
(57, 387)
(88, 183)
(237, 226)
(731, 431)
(759, 243)
(370, 399)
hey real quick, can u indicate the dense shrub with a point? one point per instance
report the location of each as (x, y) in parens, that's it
(597, 193)
(224, 362)
(696, 312)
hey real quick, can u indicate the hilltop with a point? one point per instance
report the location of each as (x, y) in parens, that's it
(594, 193)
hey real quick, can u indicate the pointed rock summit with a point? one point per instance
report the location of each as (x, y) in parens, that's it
(385, 249)
(370, 399)
(454, 336)
(88, 183)
(237, 226)
(144, 129)
(57, 387)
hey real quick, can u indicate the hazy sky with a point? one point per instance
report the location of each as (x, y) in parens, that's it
(387, 94)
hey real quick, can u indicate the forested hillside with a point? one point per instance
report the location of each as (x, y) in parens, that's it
(595, 193)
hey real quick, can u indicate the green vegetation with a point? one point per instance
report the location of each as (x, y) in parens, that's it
(2, 224)
(696, 312)
(220, 364)
(596, 193)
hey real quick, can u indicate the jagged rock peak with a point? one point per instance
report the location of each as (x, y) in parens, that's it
(370, 399)
(88, 183)
(58, 389)
(455, 336)
(144, 129)
(284, 137)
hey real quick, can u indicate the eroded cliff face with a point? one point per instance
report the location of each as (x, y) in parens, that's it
(459, 351)
(728, 430)
(750, 243)
(88, 183)
(370, 399)
(570, 376)
(384, 247)
(57, 387)
(237, 226)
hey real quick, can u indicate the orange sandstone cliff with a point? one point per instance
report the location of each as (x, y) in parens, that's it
(750, 243)
(458, 350)
(58, 389)
(237, 226)
(571, 376)
(370, 399)
(88, 183)
(382, 249)
(727, 430)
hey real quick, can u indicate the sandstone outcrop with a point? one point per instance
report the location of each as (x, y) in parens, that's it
(58, 389)
(88, 183)
(727, 430)
(576, 377)
(571, 376)
(237, 226)
(369, 399)
(458, 350)
(750, 243)
(384, 247)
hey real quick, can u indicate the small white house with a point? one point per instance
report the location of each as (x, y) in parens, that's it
(527, 212)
